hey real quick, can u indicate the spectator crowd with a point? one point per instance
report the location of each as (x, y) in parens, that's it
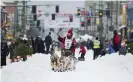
(20, 48)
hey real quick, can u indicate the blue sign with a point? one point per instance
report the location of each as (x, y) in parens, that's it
(89, 13)
(130, 10)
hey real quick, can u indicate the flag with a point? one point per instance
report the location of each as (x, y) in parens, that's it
(89, 13)
(97, 21)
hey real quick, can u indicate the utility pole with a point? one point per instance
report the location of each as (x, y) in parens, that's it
(86, 26)
(16, 21)
(23, 17)
(107, 21)
(111, 12)
(117, 12)
(100, 22)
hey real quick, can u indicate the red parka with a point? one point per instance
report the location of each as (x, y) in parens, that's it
(116, 39)
(82, 49)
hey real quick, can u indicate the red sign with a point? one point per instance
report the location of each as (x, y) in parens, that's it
(126, 6)
(39, 14)
(83, 12)
(65, 14)
(39, 10)
(62, 25)
(71, 16)
(82, 22)
(89, 18)
(3, 25)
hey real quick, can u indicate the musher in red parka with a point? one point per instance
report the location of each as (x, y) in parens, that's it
(68, 43)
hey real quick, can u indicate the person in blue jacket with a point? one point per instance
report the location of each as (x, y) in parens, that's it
(89, 44)
(110, 48)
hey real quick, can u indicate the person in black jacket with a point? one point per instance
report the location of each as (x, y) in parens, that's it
(42, 46)
(4, 52)
(12, 51)
(48, 42)
(33, 44)
(131, 35)
(38, 45)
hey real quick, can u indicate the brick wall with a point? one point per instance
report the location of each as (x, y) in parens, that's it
(10, 9)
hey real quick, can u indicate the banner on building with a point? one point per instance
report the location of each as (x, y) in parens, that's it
(9, 36)
(9, 24)
(97, 21)
(124, 18)
(89, 13)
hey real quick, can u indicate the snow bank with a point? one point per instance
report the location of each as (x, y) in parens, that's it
(124, 63)
(110, 68)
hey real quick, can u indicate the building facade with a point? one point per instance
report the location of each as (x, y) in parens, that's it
(107, 24)
(7, 20)
(130, 13)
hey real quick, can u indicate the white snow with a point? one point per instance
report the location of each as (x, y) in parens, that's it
(1, 3)
(25, 37)
(86, 37)
(110, 68)
(123, 26)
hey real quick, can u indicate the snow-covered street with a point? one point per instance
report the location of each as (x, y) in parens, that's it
(111, 68)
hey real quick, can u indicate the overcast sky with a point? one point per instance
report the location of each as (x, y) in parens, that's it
(65, 6)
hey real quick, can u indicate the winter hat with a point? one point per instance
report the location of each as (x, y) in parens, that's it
(69, 35)
(70, 31)
(115, 32)
(49, 33)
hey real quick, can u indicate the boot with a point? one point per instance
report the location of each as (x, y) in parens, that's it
(53, 69)
(81, 59)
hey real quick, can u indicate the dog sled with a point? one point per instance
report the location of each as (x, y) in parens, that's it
(64, 62)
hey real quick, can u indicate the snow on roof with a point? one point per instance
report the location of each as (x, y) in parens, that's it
(2, 4)
(122, 27)
(7, 1)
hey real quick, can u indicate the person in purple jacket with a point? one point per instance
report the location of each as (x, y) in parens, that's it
(110, 47)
